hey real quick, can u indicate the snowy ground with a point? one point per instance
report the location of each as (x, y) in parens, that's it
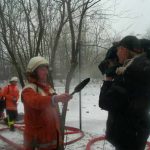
(93, 119)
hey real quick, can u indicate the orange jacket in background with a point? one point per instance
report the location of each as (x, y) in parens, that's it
(11, 94)
(41, 116)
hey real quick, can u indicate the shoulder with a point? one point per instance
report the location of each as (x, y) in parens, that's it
(5, 87)
(140, 64)
(139, 70)
(30, 86)
(142, 59)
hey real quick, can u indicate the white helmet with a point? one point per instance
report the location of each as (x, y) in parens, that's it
(36, 62)
(14, 79)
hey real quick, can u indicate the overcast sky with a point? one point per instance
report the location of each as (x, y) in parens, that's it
(134, 17)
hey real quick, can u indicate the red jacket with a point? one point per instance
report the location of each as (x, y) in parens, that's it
(1, 95)
(41, 116)
(11, 94)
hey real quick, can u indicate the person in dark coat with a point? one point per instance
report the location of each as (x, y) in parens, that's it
(127, 98)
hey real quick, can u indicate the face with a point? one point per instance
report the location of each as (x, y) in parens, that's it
(122, 54)
(42, 73)
(14, 82)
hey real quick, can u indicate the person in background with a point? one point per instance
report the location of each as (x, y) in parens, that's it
(42, 122)
(2, 104)
(127, 97)
(11, 94)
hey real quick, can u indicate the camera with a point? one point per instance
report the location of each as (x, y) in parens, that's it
(110, 63)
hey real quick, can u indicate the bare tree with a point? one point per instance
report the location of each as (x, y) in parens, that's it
(7, 39)
(22, 29)
(50, 28)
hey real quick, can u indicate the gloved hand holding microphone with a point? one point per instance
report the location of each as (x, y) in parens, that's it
(15, 101)
(66, 97)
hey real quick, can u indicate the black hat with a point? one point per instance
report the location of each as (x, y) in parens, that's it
(132, 43)
(145, 44)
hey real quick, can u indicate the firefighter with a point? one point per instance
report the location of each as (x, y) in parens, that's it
(42, 124)
(11, 94)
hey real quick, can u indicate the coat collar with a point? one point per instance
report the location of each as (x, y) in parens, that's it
(46, 87)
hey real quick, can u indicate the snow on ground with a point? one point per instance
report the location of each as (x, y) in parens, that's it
(16, 137)
(93, 118)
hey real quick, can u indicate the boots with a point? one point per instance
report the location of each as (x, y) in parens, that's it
(12, 128)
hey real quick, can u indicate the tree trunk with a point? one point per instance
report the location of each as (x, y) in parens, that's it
(64, 110)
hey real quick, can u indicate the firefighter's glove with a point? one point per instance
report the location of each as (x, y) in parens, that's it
(15, 101)
(65, 97)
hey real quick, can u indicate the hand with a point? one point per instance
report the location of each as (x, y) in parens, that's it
(108, 78)
(65, 97)
(111, 71)
(14, 101)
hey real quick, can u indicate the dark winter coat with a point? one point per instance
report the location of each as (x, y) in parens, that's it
(127, 100)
